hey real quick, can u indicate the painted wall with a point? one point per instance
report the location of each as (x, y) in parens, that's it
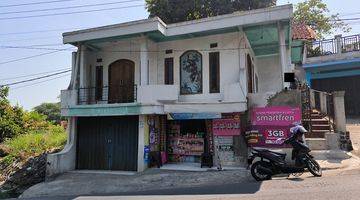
(233, 48)
(228, 45)
(230, 64)
(270, 74)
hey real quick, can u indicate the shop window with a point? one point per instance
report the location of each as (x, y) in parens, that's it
(191, 73)
(214, 69)
(169, 71)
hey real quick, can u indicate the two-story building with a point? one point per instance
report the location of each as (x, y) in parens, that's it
(146, 86)
(334, 65)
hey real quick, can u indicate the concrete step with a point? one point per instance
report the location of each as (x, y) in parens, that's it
(318, 121)
(316, 143)
(317, 117)
(315, 111)
(320, 131)
(315, 134)
(320, 127)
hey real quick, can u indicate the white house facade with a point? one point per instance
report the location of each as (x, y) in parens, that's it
(146, 91)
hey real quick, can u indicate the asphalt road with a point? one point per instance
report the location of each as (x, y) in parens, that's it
(333, 185)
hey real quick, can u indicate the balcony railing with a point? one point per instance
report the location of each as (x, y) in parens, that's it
(350, 43)
(333, 46)
(107, 95)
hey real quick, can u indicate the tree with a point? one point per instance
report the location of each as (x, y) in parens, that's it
(316, 14)
(172, 11)
(51, 110)
(11, 118)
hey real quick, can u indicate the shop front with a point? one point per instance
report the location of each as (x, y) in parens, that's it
(204, 140)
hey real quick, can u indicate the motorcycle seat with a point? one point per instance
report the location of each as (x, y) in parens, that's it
(282, 155)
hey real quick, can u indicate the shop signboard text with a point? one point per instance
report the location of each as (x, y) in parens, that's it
(270, 126)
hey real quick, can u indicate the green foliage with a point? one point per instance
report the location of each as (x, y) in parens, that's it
(316, 14)
(51, 110)
(35, 143)
(11, 118)
(172, 11)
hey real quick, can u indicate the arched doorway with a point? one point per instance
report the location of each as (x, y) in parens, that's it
(121, 81)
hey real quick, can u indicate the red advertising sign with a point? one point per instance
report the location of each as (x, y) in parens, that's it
(268, 136)
(226, 127)
(279, 116)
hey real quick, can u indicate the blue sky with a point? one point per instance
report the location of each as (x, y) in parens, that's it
(28, 95)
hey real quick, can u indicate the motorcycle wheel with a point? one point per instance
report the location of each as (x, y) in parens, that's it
(314, 167)
(255, 172)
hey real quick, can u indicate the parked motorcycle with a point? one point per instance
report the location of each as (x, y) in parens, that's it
(272, 163)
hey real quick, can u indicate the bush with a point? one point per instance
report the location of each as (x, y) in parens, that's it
(36, 142)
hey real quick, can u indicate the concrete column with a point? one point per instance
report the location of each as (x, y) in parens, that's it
(141, 143)
(339, 109)
(144, 63)
(282, 52)
(312, 99)
(323, 102)
(338, 43)
(74, 84)
(83, 68)
(242, 62)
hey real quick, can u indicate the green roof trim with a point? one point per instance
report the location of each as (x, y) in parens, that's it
(159, 37)
(264, 39)
(297, 51)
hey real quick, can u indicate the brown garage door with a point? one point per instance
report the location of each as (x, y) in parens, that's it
(351, 86)
(107, 143)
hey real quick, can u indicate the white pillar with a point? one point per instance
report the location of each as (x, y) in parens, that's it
(144, 62)
(282, 52)
(141, 144)
(323, 102)
(83, 68)
(75, 73)
(338, 43)
(339, 109)
(242, 63)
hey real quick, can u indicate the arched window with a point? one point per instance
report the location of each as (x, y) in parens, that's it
(191, 72)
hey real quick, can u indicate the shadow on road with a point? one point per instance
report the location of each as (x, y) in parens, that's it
(237, 188)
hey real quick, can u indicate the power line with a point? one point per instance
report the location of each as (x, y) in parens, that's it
(29, 57)
(33, 3)
(349, 14)
(70, 13)
(30, 75)
(40, 31)
(40, 82)
(46, 45)
(32, 38)
(37, 78)
(69, 7)
(346, 19)
(33, 47)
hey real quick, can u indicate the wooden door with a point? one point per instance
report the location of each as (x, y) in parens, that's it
(121, 81)
(250, 75)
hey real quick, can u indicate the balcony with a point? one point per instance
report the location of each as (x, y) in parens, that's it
(338, 45)
(107, 95)
(120, 100)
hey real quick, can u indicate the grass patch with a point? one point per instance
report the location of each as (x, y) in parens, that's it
(35, 143)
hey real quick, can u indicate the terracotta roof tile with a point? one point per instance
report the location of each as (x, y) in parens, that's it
(301, 31)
